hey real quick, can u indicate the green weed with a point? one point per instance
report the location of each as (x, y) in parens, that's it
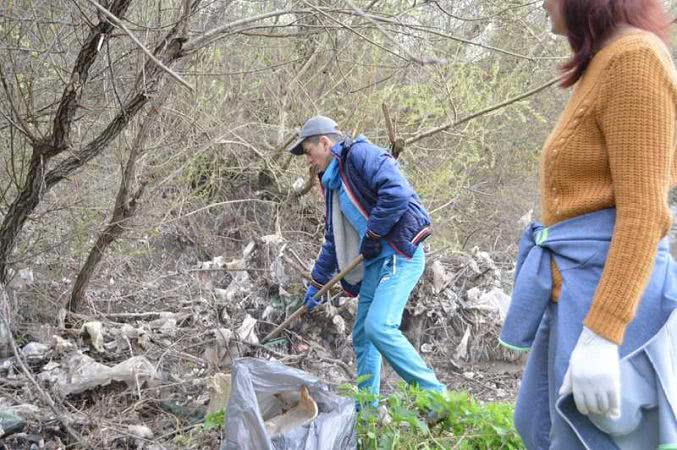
(214, 420)
(425, 420)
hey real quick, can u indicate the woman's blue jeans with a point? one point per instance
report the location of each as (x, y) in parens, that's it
(385, 290)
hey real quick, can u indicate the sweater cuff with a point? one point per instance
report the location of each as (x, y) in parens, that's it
(606, 325)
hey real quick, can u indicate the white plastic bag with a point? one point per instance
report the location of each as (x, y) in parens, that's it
(257, 394)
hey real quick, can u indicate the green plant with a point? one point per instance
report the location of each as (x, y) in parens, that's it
(214, 420)
(422, 419)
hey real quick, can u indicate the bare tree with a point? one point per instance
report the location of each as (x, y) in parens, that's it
(396, 48)
(40, 177)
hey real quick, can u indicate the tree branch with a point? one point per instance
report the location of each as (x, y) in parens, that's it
(170, 48)
(71, 164)
(421, 61)
(482, 112)
(480, 19)
(445, 35)
(17, 126)
(71, 96)
(214, 34)
(361, 36)
(21, 126)
(120, 25)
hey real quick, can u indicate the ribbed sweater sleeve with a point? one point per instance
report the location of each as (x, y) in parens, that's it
(636, 115)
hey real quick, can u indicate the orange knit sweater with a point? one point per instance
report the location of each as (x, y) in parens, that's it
(614, 146)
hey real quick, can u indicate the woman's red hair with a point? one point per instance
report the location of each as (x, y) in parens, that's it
(590, 22)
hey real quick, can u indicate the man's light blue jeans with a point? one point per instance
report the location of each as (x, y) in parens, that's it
(385, 290)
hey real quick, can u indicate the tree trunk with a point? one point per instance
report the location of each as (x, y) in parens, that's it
(20, 209)
(112, 231)
(6, 308)
(124, 208)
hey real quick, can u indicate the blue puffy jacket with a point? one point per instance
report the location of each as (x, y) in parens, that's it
(377, 187)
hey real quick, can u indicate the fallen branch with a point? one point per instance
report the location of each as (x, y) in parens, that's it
(278, 355)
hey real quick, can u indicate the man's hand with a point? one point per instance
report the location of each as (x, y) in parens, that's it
(371, 245)
(594, 376)
(308, 300)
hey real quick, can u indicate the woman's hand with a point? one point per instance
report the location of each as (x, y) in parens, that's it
(594, 376)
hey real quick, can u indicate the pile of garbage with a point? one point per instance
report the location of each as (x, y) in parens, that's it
(176, 359)
(455, 313)
(461, 305)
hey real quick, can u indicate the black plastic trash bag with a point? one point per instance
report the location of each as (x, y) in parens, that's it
(257, 389)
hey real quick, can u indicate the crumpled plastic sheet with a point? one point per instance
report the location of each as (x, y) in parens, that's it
(257, 387)
(81, 373)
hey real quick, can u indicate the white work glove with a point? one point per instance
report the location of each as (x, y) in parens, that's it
(594, 376)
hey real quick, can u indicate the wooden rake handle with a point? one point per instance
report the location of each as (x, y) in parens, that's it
(299, 312)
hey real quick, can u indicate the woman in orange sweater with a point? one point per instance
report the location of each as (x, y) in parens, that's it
(608, 289)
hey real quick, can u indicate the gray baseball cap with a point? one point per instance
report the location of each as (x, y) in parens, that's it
(315, 126)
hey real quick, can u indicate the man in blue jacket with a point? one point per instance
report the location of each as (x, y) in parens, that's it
(370, 209)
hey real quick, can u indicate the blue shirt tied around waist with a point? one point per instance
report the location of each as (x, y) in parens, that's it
(648, 354)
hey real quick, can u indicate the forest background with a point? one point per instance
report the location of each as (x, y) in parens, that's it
(141, 138)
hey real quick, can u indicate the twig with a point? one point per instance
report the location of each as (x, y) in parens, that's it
(141, 315)
(298, 259)
(396, 144)
(447, 36)
(294, 264)
(450, 202)
(21, 126)
(479, 19)
(120, 25)
(214, 205)
(60, 415)
(177, 431)
(349, 28)
(346, 368)
(421, 61)
(389, 124)
(170, 349)
(17, 126)
(216, 33)
(482, 112)
(223, 269)
(280, 356)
